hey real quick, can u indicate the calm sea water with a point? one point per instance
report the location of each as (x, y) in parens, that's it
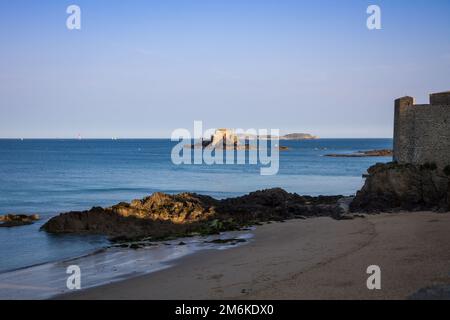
(52, 176)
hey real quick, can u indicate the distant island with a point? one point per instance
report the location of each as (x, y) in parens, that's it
(298, 136)
(228, 139)
(290, 136)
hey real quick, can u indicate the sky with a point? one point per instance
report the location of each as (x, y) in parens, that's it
(141, 69)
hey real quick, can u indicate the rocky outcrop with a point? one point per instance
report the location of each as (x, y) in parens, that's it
(298, 136)
(277, 204)
(360, 154)
(290, 136)
(393, 187)
(15, 220)
(179, 208)
(162, 215)
(221, 139)
(158, 216)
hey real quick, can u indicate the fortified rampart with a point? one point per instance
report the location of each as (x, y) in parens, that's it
(422, 131)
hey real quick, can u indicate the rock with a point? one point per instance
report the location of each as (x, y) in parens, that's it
(225, 241)
(136, 246)
(277, 204)
(378, 153)
(346, 217)
(15, 220)
(298, 136)
(360, 154)
(437, 292)
(394, 187)
(221, 139)
(179, 208)
(344, 203)
(161, 215)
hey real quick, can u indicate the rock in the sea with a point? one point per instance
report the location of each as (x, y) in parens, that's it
(162, 215)
(361, 154)
(15, 220)
(298, 136)
(393, 187)
(159, 215)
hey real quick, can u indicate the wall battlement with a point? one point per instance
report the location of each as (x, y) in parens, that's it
(422, 132)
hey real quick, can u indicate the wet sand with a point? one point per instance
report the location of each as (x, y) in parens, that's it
(317, 258)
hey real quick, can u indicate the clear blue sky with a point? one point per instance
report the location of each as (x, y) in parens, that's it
(144, 68)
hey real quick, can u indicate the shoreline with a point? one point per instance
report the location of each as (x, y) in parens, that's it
(317, 258)
(110, 264)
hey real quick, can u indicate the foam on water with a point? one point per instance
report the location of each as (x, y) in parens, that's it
(106, 266)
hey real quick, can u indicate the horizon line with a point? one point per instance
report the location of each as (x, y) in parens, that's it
(165, 138)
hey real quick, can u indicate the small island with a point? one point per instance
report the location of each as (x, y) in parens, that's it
(228, 139)
(298, 136)
(360, 154)
(289, 136)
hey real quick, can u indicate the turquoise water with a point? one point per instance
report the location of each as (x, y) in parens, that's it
(52, 176)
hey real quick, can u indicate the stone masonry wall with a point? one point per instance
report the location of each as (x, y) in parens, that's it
(422, 132)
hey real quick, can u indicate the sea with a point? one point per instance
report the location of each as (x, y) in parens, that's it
(51, 176)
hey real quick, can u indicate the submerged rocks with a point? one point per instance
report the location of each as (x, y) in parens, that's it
(163, 215)
(15, 220)
(394, 187)
(231, 241)
(361, 154)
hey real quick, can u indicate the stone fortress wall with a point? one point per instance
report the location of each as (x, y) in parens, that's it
(422, 131)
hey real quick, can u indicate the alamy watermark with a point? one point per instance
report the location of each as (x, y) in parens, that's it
(73, 21)
(227, 146)
(374, 20)
(374, 280)
(74, 280)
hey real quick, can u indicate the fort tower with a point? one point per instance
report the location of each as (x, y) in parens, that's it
(422, 131)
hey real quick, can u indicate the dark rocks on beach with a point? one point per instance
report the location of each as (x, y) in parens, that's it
(162, 215)
(159, 215)
(395, 187)
(360, 154)
(226, 241)
(438, 292)
(277, 204)
(388, 187)
(15, 220)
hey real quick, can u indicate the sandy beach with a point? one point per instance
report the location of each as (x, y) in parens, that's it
(317, 258)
